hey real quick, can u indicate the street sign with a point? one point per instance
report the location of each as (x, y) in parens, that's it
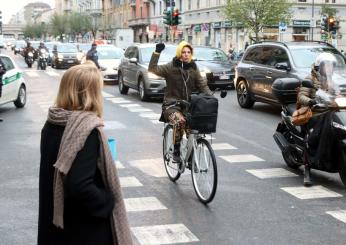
(282, 27)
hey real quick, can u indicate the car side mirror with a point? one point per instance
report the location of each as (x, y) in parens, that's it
(133, 60)
(282, 66)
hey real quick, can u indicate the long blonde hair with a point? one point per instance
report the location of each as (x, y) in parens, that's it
(80, 89)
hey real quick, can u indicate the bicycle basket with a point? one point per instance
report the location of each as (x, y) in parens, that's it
(202, 114)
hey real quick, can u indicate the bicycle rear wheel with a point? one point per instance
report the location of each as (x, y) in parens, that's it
(172, 168)
(204, 171)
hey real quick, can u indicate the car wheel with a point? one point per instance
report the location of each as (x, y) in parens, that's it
(123, 89)
(243, 95)
(21, 98)
(141, 89)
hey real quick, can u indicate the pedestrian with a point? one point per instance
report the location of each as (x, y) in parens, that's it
(246, 45)
(80, 200)
(231, 53)
(182, 78)
(92, 55)
(2, 72)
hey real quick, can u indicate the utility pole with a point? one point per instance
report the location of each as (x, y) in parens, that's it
(312, 19)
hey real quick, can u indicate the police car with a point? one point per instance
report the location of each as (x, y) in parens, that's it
(13, 88)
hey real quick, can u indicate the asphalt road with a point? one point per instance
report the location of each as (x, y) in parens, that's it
(258, 201)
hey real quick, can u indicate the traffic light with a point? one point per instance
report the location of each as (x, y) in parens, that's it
(176, 18)
(333, 24)
(167, 17)
(324, 23)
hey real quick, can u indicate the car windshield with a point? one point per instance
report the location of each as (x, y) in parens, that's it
(110, 53)
(49, 46)
(304, 57)
(35, 44)
(166, 55)
(20, 44)
(67, 48)
(84, 47)
(209, 54)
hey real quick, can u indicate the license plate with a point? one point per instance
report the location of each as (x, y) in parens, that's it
(70, 61)
(224, 77)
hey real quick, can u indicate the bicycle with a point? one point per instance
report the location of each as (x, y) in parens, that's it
(196, 154)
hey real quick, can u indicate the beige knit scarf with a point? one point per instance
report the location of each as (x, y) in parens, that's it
(78, 126)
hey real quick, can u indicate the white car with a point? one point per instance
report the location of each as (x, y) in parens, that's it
(13, 88)
(109, 59)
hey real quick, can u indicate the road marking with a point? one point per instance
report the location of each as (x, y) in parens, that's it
(340, 215)
(313, 192)
(164, 234)
(107, 95)
(156, 121)
(52, 73)
(32, 74)
(241, 158)
(150, 115)
(43, 103)
(118, 164)
(140, 204)
(222, 146)
(45, 107)
(153, 167)
(129, 182)
(118, 100)
(139, 109)
(109, 125)
(271, 173)
(130, 105)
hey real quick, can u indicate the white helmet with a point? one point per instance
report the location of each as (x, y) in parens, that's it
(324, 58)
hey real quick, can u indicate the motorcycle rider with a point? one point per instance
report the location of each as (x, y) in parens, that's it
(320, 78)
(39, 52)
(27, 50)
(182, 76)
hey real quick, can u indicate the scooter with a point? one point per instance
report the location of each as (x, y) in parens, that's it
(42, 59)
(292, 139)
(29, 59)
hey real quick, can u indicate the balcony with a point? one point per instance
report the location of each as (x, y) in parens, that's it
(133, 3)
(139, 22)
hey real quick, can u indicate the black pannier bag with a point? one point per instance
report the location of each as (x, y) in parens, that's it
(285, 90)
(202, 114)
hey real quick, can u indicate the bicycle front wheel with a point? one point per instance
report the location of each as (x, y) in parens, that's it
(204, 171)
(172, 168)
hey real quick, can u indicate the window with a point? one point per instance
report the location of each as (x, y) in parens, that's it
(278, 55)
(301, 1)
(160, 7)
(253, 55)
(327, 1)
(8, 63)
(130, 53)
(333, 1)
(198, 5)
(189, 5)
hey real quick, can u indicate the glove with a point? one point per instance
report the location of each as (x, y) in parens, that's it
(312, 102)
(159, 47)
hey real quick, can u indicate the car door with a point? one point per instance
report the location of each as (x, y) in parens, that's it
(278, 56)
(133, 68)
(9, 80)
(125, 63)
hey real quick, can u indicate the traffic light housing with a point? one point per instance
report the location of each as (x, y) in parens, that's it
(324, 23)
(333, 24)
(167, 17)
(176, 18)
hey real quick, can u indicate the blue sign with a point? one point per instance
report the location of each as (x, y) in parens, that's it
(282, 27)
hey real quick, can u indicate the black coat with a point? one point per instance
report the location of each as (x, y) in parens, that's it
(88, 205)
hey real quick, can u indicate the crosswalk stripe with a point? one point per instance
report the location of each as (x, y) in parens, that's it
(118, 100)
(137, 109)
(109, 125)
(118, 164)
(222, 146)
(271, 173)
(140, 204)
(156, 121)
(164, 234)
(107, 95)
(53, 73)
(313, 192)
(338, 214)
(150, 115)
(129, 182)
(241, 158)
(130, 105)
(152, 167)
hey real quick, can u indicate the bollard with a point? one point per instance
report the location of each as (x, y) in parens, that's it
(112, 147)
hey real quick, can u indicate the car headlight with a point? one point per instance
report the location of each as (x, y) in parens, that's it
(60, 56)
(153, 76)
(204, 72)
(341, 101)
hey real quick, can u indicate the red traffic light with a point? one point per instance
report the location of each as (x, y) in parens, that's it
(176, 13)
(331, 20)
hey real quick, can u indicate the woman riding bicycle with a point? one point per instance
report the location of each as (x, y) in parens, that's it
(182, 77)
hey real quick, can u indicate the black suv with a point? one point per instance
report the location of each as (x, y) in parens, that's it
(264, 62)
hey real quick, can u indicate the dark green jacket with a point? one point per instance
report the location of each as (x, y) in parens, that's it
(180, 82)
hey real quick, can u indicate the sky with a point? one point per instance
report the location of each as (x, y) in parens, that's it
(10, 7)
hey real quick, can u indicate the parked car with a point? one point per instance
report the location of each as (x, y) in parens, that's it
(14, 88)
(133, 70)
(264, 62)
(65, 55)
(109, 60)
(215, 66)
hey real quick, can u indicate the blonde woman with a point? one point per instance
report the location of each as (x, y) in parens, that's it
(80, 201)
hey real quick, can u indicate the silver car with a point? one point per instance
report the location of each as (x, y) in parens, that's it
(133, 70)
